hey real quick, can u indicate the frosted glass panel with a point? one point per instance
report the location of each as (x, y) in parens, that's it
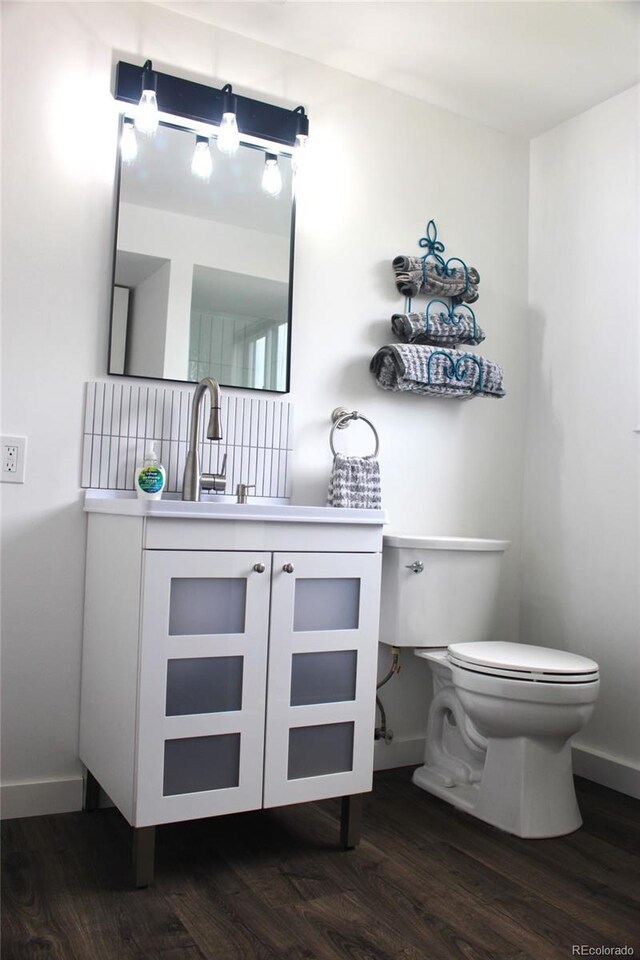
(194, 764)
(323, 677)
(327, 604)
(204, 685)
(207, 605)
(314, 751)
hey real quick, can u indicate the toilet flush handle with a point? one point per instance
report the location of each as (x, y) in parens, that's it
(417, 566)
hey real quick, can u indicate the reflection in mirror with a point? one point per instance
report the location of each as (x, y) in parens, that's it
(202, 267)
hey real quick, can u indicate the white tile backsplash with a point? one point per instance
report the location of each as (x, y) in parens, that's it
(120, 418)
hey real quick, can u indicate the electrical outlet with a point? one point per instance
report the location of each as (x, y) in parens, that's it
(14, 457)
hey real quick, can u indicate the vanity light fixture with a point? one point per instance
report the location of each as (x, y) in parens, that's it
(186, 103)
(128, 142)
(147, 113)
(228, 136)
(271, 178)
(302, 135)
(202, 163)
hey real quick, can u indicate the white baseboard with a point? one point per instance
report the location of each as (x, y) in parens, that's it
(609, 771)
(40, 797)
(398, 753)
(592, 765)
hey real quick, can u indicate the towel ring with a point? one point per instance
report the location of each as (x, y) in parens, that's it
(341, 419)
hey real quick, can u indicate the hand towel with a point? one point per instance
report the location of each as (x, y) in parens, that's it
(433, 371)
(412, 328)
(430, 278)
(355, 483)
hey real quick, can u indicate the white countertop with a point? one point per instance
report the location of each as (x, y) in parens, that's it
(170, 506)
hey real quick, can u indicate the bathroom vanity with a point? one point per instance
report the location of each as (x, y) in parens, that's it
(229, 662)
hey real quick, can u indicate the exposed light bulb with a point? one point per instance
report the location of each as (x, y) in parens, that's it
(147, 113)
(271, 178)
(299, 153)
(228, 136)
(146, 118)
(202, 163)
(128, 142)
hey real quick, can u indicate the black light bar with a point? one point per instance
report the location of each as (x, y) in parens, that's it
(196, 101)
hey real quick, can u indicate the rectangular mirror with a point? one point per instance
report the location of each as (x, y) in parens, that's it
(202, 268)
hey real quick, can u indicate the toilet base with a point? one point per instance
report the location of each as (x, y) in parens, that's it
(535, 800)
(464, 796)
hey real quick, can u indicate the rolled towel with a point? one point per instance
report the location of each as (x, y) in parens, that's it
(413, 328)
(415, 263)
(355, 483)
(431, 279)
(428, 370)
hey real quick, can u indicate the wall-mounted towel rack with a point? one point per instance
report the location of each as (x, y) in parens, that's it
(428, 361)
(341, 418)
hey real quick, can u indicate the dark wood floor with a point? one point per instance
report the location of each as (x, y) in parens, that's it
(426, 883)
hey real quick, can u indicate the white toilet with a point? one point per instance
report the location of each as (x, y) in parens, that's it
(503, 714)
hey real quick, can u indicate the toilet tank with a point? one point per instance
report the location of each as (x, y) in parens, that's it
(453, 598)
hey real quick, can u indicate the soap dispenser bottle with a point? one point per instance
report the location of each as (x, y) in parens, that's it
(151, 476)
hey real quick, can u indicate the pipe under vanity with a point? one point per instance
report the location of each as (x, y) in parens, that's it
(194, 482)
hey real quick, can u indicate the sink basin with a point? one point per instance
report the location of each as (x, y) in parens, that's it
(170, 506)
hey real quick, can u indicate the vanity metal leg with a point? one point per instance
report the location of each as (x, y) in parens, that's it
(91, 793)
(351, 821)
(144, 846)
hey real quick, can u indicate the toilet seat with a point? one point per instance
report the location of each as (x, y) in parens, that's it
(521, 661)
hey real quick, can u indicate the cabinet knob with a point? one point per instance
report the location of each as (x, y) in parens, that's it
(259, 567)
(288, 568)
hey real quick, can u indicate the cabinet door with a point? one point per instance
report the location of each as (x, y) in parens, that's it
(202, 684)
(322, 676)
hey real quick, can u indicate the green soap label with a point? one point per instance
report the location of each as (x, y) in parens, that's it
(150, 480)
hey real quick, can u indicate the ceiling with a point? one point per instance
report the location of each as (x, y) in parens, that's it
(522, 67)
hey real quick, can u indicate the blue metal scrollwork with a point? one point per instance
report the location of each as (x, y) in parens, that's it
(431, 242)
(434, 249)
(453, 315)
(448, 358)
(457, 368)
(453, 272)
(461, 373)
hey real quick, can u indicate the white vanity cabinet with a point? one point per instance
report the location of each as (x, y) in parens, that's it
(228, 664)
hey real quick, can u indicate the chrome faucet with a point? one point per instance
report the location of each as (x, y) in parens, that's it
(194, 482)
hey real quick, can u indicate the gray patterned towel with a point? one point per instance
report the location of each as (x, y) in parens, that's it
(411, 280)
(411, 328)
(437, 372)
(355, 482)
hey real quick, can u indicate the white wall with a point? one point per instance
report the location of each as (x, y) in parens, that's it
(381, 164)
(581, 560)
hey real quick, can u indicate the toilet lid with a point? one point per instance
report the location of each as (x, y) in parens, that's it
(523, 661)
